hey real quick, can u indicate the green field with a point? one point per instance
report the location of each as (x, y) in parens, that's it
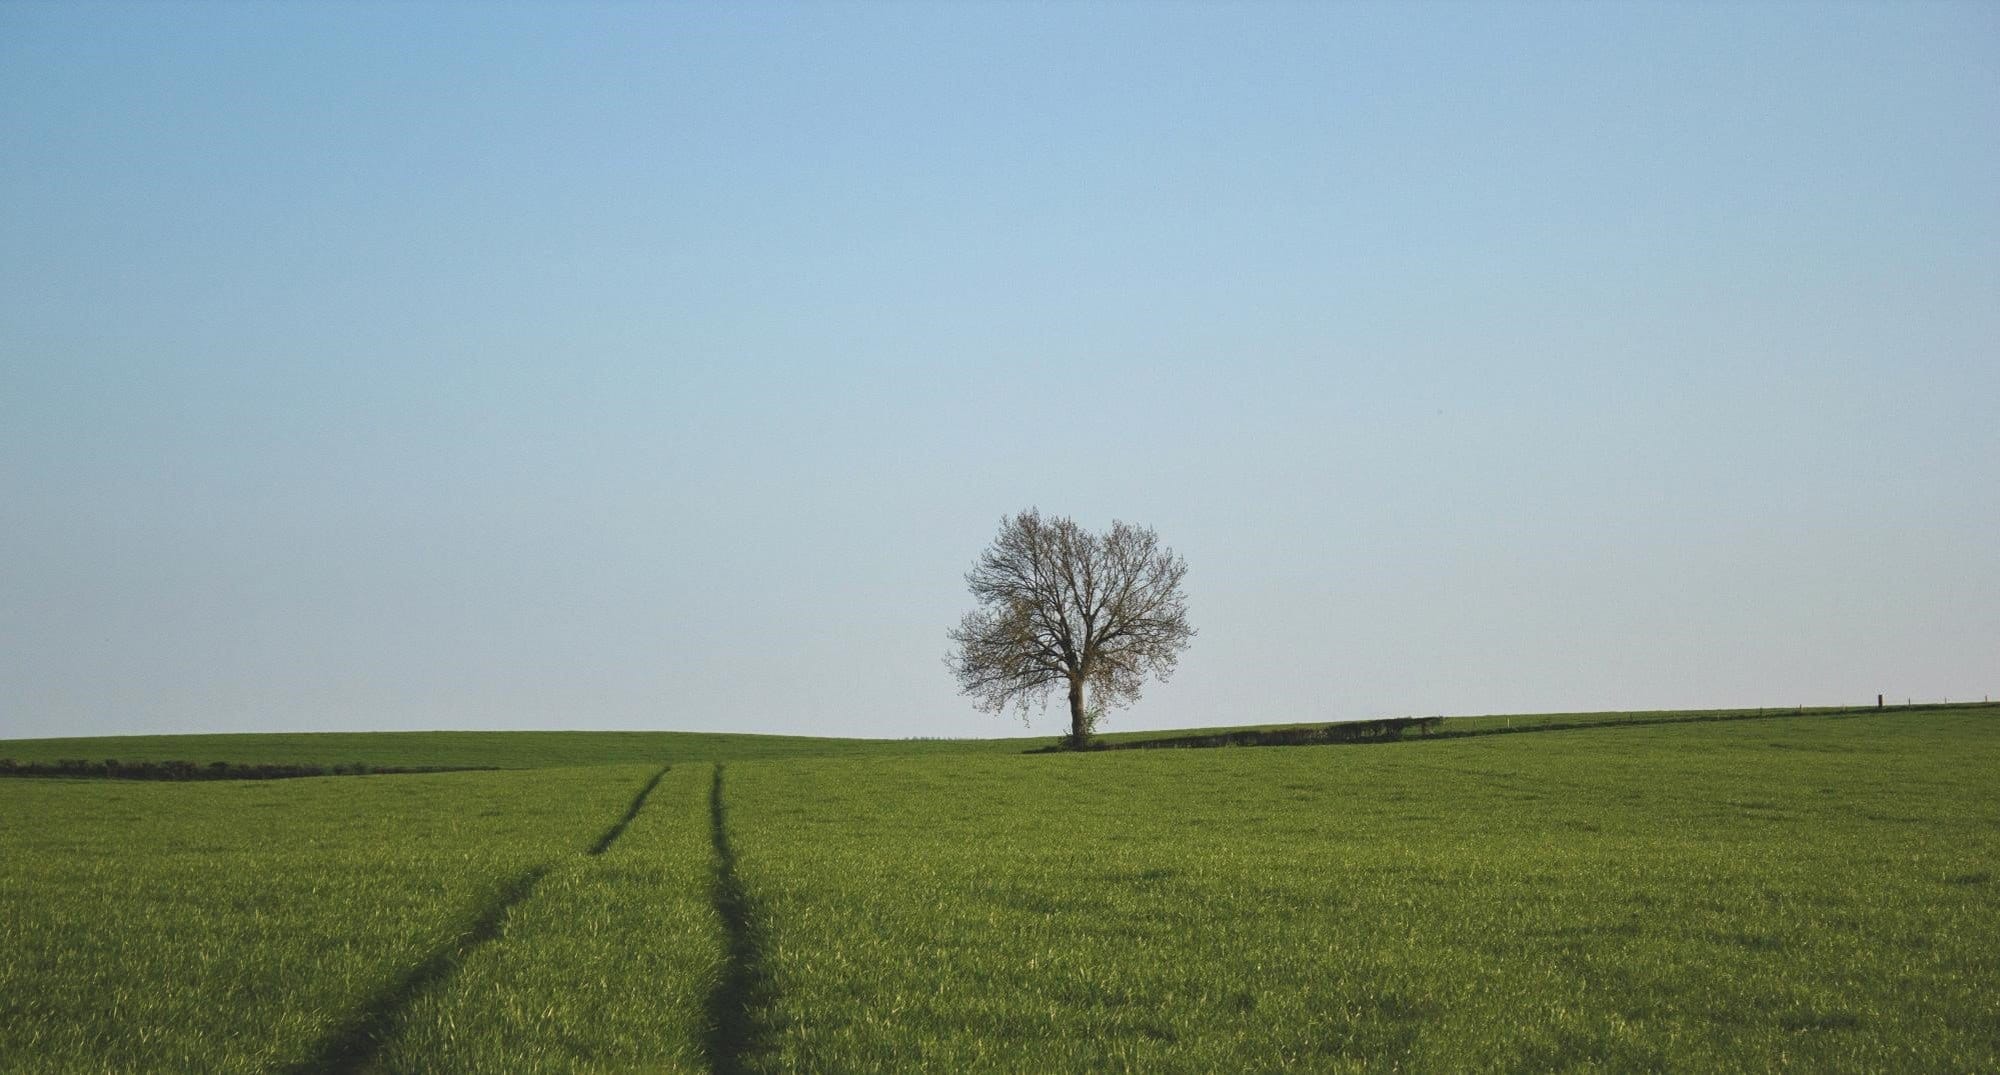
(1815, 893)
(504, 750)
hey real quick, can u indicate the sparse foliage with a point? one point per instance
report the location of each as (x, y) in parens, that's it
(1061, 607)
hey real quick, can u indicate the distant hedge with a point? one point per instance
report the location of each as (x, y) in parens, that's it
(1355, 731)
(113, 769)
(1391, 729)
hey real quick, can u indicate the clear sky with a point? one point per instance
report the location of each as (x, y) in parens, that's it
(377, 366)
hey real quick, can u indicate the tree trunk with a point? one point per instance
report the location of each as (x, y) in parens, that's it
(1077, 732)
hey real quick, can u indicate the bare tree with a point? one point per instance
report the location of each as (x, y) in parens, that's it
(1060, 606)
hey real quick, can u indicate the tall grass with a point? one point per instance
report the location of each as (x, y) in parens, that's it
(1810, 893)
(237, 927)
(1801, 893)
(606, 966)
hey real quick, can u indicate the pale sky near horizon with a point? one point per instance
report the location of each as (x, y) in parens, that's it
(666, 366)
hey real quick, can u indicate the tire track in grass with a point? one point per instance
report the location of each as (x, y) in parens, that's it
(357, 1045)
(744, 988)
(354, 1048)
(638, 803)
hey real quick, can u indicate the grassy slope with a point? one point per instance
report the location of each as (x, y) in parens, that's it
(241, 926)
(606, 966)
(507, 750)
(1787, 893)
(549, 749)
(1519, 722)
(1811, 892)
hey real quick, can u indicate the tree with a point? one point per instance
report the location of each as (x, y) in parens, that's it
(1060, 606)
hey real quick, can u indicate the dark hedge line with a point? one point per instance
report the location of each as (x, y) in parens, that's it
(1687, 718)
(1392, 729)
(113, 769)
(1357, 731)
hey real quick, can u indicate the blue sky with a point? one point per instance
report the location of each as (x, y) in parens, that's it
(409, 366)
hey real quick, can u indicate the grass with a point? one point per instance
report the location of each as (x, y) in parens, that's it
(539, 750)
(238, 927)
(1783, 893)
(1450, 727)
(504, 750)
(606, 966)
(1810, 893)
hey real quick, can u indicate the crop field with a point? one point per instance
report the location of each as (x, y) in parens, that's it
(1813, 893)
(234, 926)
(503, 750)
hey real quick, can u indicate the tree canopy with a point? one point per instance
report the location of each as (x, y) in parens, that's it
(1062, 607)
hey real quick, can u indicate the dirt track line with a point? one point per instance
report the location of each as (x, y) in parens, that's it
(354, 1048)
(357, 1045)
(638, 803)
(744, 990)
